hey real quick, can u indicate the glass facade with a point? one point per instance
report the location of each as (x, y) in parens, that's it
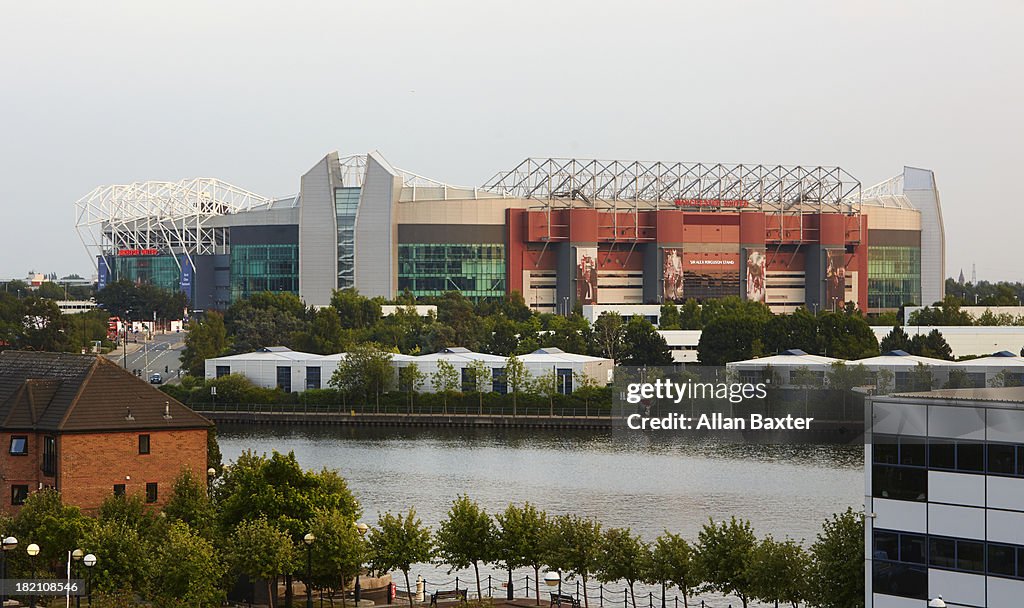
(476, 270)
(346, 204)
(159, 270)
(894, 276)
(256, 268)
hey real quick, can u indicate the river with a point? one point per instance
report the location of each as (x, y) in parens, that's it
(648, 485)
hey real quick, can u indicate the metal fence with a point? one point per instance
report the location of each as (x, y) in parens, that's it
(453, 409)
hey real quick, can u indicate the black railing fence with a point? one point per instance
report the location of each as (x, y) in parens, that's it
(453, 409)
(599, 595)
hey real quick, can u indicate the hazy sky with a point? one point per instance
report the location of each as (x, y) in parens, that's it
(256, 92)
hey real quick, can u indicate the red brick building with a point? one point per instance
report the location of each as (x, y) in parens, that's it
(87, 427)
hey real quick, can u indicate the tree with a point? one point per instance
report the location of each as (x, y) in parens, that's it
(609, 331)
(731, 337)
(445, 380)
(517, 378)
(724, 554)
(778, 571)
(958, 378)
(338, 551)
(187, 571)
(896, 339)
(932, 344)
(1004, 378)
(573, 544)
(669, 317)
(690, 315)
(920, 377)
(837, 572)
(265, 319)
(478, 378)
(125, 557)
(643, 345)
(399, 542)
(465, 538)
(51, 524)
(845, 334)
(845, 377)
(190, 504)
(410, 379)
(519, 540)
(671, 561)
(884, 381)
(325, 335)
(546, 385)
(364, 368)
(206, 339)
(355, 311)
(585, 386)
(623, 558)
(260, 551)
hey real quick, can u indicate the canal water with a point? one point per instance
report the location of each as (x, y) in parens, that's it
(647, 484)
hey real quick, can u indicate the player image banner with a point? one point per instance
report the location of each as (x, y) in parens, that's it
(672, 275)
(586, 275)
(755, 277)
(835, 279)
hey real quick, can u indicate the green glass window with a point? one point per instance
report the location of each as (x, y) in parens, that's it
(159, 270)
(256, 268)
(476, 270)
(894, 276)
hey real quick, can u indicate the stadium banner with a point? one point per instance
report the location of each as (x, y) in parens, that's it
(755, 275)
(672, 275)
(586, 275)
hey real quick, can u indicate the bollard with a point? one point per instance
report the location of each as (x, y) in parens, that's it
(577, 589)
(625, 598)
(600, 595)
(650, 599)
(419, 588)
(456, 582)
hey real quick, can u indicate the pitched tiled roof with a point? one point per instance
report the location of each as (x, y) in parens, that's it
(62, 392)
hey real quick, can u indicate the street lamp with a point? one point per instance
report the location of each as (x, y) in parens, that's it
(77, 556)
(9, 543)
(89, 560)
(362, 528)
(552, 579)
(210, 474)
(309, 539)
(937, 603)
(32, 550)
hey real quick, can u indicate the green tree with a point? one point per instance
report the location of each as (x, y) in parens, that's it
(623, 556)
(608, 334)
(517, 378)
(355, 311)
(896, 339)
(671, 561)
(338, 551)
(519, 540)
(187, 570)
(724, 554)
(573, 544)
(958, 378)
(478, 378)
(124, 558)
(325, 335)
(932, 344)
(260, 551)
(690, 315)
(921, 378)
(190, 504)
(206, 339)
(884, 381)
(643, 345)
(1004, 378)
(669, 317)
(445, 380)
(51, 524)
(365, 369)
(586, 387)
(465, 538)
(546, 385)
(778, 571)
(411, 379)
(265, 319)
(837, 572)
(845, 377)
(399, 542)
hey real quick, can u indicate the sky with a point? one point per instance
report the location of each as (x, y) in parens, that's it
(255, 93)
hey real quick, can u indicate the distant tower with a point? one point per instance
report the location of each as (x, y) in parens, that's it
(974, 274)
(961, 279)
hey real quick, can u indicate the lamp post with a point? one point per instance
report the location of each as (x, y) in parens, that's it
(9, 543)
(89, 560)
(33, 551)
(210, 474)
(362, 528)
(553, 579)
(77, 556)
(937, 603)
(309, 539)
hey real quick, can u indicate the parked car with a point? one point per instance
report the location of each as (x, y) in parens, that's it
(156, 379)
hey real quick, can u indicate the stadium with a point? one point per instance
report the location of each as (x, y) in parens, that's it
(562, 232)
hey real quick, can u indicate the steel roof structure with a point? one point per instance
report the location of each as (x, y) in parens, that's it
(769, 188)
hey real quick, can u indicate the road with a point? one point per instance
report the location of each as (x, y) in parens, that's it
(161, 354)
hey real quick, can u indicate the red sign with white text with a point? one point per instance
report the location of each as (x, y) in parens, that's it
(128, 252)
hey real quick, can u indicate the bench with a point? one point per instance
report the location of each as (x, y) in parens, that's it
(558, 599)
(455, 594)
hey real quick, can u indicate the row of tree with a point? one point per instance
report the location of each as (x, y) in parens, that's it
(253, 519)
(30, 322)
(950, 312)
